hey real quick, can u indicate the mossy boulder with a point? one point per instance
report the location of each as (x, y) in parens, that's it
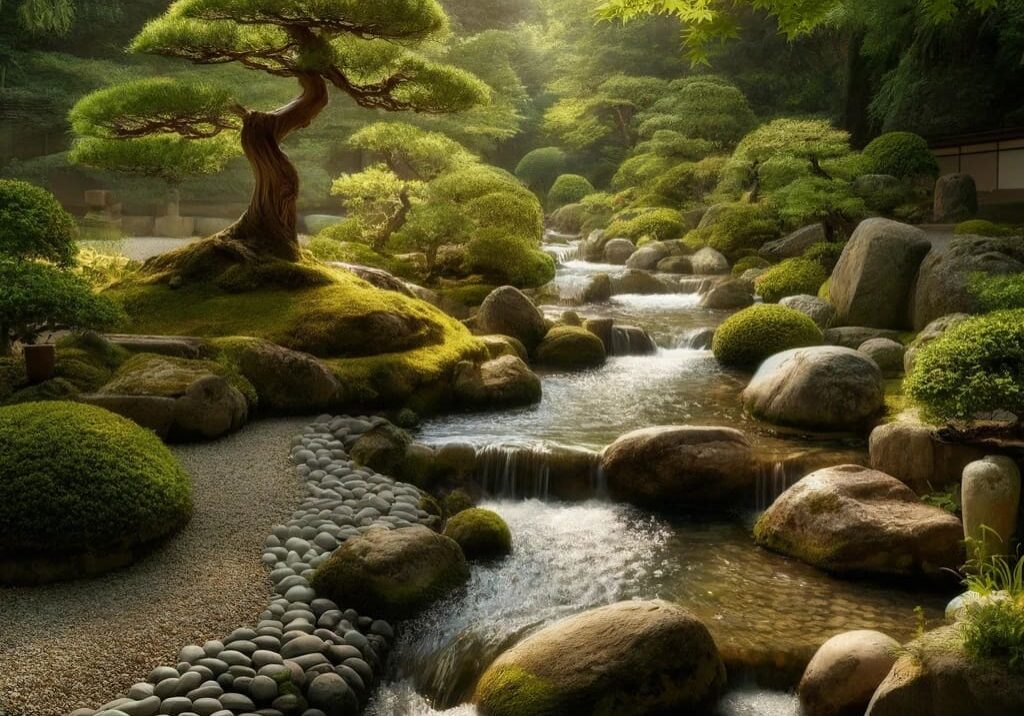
(457, 501)
(82, 490)
(509, 312)
(793, 245)
(793, 277)
(392, 574)
(503, 382)
(850, 519)
(382, 448)
(571, 348)
(284, 380)
(628, 659)
(748, 337)
(481, 533)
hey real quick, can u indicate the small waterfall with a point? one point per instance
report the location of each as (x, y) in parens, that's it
(631, 341)
(775, 477)
(522, 472)
(697, 339)
(563, 252)
(694, 284)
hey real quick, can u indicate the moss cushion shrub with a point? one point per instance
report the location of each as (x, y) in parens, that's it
(539, 169)
(481, 533)
(746, 263)
(76, 478)
(660, 224)
(976, 366)
(33, 224)
(901, 154)
(826, 253)
(998, 293)
(568, 189)
(748, 337)
(981, 227)
(792, 277)
(734, 228)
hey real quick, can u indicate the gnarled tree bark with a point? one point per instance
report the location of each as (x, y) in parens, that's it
(268, 226)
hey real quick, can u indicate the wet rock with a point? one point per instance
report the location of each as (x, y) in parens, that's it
(673, 467)
(508, 311)
(618, 251)
(844, 673)
(956, 199)
(990, 497)
(382, 448)
(819, 310)
(646, 258)
(571, 348)
(887, 353)
(873, 281)
(821, 387)
(793, 245)
(498, 346)
(730, 294)
(597, 290)
(851, 519)
(708, 262)
(638, 282)
(627, 659)
(675, 264)
(503, 382)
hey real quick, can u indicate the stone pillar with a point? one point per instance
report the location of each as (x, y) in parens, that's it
(990, 495)
(173, 225)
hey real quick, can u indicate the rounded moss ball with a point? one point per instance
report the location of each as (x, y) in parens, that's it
(77, 479)
(481, 533)
(456, 501)
(792, 277)
(974, 367)
(748, 337)
(660, 224)
(749, 262)
(568, 189)
(902, 154)
(982, 227)
(570, 348)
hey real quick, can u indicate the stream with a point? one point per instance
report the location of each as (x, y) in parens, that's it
(768, 614)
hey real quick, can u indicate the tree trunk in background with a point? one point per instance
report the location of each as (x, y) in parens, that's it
(268, 226)
(857, 102)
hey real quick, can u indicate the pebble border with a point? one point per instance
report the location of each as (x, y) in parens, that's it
(307, 656)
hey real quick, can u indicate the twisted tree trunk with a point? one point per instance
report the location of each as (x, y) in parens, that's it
(268, 226)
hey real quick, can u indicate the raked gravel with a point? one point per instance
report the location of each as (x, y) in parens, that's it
(75, 644)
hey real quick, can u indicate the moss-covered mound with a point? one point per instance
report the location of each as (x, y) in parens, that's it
(734, 228)
(78, 479)
(753, 334)
(568, 189)
(749, 262)
(660, 224)
(793, 277)
(386, 348)
(482, 534)
(571, 348)
(977, 366)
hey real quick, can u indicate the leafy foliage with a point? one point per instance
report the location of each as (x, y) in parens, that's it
(748, 337)
(568, 189)
(734, 228)
(658, 224)
(792, 277)
(539, 168)
(902, 154)
(33, 224)
(992, 627)
(998, 292)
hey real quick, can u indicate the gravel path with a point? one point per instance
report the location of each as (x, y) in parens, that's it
(74, 644)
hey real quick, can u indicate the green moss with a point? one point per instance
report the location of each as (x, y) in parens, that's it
(513, 691)
(735, 228)
(748, 337)
(901, 154)
(826, 253)
(661, 224)
(170, 377)
(53, 389)
(470, 295)
(456, 501)
(977, 366)
(568, 189)
(76, 478)
(748, 262)
(792, 277)
(824, 293)
(981, 227)
(12, 377)
(481, 533)
(570, 348)
(998, 293)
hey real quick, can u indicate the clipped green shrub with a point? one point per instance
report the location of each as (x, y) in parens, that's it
(568, 189)
(539, 169)
(749, 262)
(33, 224)
(660, 224)
(748, 337)
(902, 154)
(977, 366)
(982, 227)
(826, 253)
(792, 277)
(734, 228)
(77, 479)
(998, 293)
(481, 533)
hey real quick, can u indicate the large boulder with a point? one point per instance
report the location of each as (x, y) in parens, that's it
(851, 519)
(571, 348)
(793, 245)
(935, 677)
(680, 467)
(508, 311)
(618, 251)
(285, 380)
(885, 352)
(675, 264)
(382, 448)
(628, 659)
(842, 676)
(392, 574)
(708, 262)
(871, 284)
(929, 333)
(915, 454)
(823, 387)
(944, 285)
(956, 199)
(638, 282)
(819, 310)
(500, 383)
(207, 403)
(648, 256)
(855, 336)
(728, 295)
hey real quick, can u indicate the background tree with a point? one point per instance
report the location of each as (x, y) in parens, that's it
(362, 49)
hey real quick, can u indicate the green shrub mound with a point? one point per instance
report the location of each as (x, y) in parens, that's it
(902, 154)
(33, 224)
(748, 337)
(660, 224)
(481, 533)
(78, 479)
(539, 169)
(568, 189)
(792, 277)
(998, 292)
(749, 262)
(734, 228)
(826, 253)
(982, 227)
(977, 366)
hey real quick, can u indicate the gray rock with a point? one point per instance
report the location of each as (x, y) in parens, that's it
(819, 310)
(647, 256)
(887, 353)
(509, 312)
(855, 336)
(332, 694)
(285, 380)
(618, 251)
(638, 282)
(708, 262)
(956, 199)
(728, 295)
(794, 244)
(503, 382)
(928, 334)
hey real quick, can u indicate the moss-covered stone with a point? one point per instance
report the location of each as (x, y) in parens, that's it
(392, 574)
(383, 449)
(571, 348)
(456, 501)
(76, 479)
(793, 277)
(748, 337)
(481, 533)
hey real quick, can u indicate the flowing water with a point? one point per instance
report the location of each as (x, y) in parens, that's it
(767, 613)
